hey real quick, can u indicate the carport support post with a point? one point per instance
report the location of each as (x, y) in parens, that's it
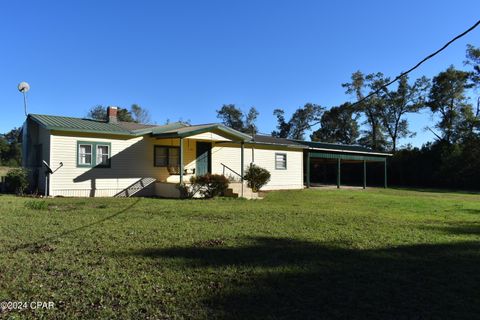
(364, 174)
(338, 173)
(242, 161)
(181, 161)
(385, 175)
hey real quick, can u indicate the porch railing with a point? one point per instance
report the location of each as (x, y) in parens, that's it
(225, 167)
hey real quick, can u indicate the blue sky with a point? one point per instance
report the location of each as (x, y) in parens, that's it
(184, 59)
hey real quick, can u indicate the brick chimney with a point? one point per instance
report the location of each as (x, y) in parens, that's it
(112, 114)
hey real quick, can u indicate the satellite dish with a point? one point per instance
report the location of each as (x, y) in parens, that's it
(23, 87)
(49, 170)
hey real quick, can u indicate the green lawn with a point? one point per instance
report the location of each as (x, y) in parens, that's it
(296, 254)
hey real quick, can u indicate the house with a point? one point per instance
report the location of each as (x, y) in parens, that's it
(88, 158)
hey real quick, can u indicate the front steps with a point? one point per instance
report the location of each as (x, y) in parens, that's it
(235, 190)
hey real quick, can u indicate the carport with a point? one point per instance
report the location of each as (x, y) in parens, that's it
(331, 158)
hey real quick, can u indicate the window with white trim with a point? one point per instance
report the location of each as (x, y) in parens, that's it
(103, 155)
(93, 154)
(280, 161)
(85, 154)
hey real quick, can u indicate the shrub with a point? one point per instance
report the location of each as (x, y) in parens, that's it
(16, 180)
(36, 204)
(257, 177)
(210, 185)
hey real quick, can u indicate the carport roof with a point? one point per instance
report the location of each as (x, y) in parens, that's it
(323, 146)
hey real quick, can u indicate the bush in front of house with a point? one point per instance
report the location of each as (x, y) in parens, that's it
(210, 185)
(256, 177)
(16, 180)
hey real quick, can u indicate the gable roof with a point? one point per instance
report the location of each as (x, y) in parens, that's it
(188, 131)
(60, 123)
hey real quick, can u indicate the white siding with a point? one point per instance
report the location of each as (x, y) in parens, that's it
(209, 136)
(131, 161)
(230, 155)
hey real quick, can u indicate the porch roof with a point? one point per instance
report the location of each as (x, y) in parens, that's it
(188, 131)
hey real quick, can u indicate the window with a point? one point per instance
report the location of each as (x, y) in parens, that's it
(166, 156)
(85, 154)
(280, 161)
(103, 155)
(93, 154)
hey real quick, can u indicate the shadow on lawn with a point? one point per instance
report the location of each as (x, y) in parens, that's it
(462, 229)
(290, 279)
(41, 243)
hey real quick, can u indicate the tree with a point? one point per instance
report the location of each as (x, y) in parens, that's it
(447, 98)
(234, 118)
(97, 112)
(140, 115)
(11, 148)
(361, 86)
(282, 126)
(301, 120)
(338, 125)
(473, 59)
(124, 115)
(135, 114)
(406, 99)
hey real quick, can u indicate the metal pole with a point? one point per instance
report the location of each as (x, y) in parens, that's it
(338, 173)
(364, 174)
(242, 164)
(181, 161)
(25, 102)
(385, 175)
(308, 169)
(46, 184)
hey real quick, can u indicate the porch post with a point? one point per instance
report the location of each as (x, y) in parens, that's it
(364, 174)
(181, 161)
(308, 169)
(385, 175)
(242, 165)
(338, 173)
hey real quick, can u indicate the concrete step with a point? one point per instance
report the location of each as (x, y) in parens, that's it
(230, 193)
(236, 189)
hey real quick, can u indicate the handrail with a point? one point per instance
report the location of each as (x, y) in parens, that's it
(225, 166)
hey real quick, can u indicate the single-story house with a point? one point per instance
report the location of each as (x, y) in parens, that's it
(84, 157)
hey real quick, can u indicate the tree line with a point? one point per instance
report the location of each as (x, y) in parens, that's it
(381, 121)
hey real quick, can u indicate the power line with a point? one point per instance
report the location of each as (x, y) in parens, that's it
(418, 64)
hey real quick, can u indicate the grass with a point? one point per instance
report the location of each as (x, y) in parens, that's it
(374, 254)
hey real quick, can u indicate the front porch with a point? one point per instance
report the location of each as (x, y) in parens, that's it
(187, 152)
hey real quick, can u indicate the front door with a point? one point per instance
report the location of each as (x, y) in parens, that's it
(203, 163)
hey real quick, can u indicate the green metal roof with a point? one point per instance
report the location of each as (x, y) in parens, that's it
(71, 124)
(340, 147)
(181, 130)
